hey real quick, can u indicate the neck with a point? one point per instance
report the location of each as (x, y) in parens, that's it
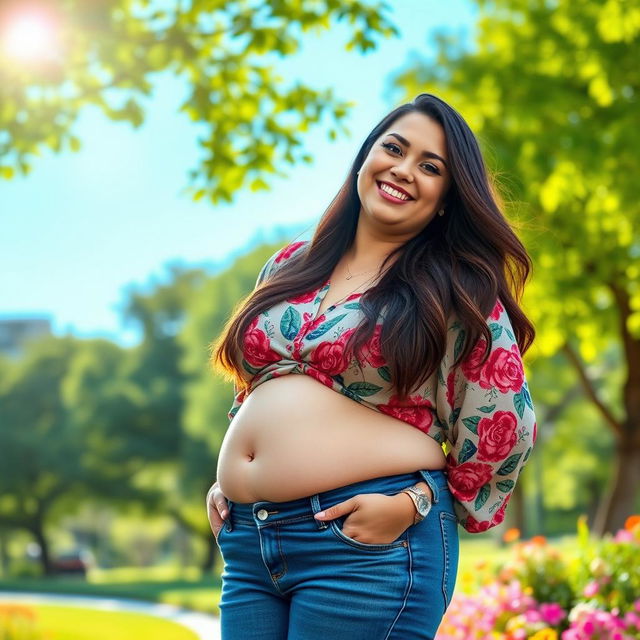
(368, 250)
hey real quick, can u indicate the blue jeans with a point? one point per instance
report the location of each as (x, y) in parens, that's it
(288, 576)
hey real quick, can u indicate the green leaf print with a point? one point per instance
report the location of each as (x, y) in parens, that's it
(519, 402)
(527, 396)
(471, 423)
(468, 450)
(290, 323)
(509, 464)
(505, 485)
(441, 377)
(385, 373)
(454, 415)
(352, 305)
(496, 330)
(483, 496)
(511, 336)
(364, 388)
(458, 345)
(324, 327)
(247, 367)
(488, 409)
(527, 454)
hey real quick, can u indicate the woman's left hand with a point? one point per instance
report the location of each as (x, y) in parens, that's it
(373, 518)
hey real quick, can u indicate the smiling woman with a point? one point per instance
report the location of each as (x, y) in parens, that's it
(335, 507)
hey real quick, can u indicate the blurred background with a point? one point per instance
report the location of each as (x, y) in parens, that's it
(154, 153)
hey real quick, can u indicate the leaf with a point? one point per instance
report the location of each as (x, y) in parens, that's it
(519, 402)
(471, 423)
(364, 388)
(384, 373)
(482, 497)
(352, 305)
(486, 409)
(458, 344)
(505, 485)
(468, 451)
(496, 330)
(290, 323)
(454, 416)
(324, 327)
(509, 465)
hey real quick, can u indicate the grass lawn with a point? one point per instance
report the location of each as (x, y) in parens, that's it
(75, 623)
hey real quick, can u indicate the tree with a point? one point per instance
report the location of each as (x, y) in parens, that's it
(552, 89)
(110, 48)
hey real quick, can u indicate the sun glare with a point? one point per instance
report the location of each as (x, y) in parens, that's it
(29, 36)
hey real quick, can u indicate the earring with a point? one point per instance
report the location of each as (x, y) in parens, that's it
(441, 212)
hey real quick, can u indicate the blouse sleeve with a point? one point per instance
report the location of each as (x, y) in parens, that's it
(490, 422)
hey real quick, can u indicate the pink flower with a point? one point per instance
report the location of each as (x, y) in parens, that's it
(591, 589)
(552, 613)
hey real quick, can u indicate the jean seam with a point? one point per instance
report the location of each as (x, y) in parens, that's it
(445, 542)
(282, 557)
(406, 593)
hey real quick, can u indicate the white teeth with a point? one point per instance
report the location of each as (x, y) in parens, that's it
(396, 194)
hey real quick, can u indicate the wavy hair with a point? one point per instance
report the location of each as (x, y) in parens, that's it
(460, 263)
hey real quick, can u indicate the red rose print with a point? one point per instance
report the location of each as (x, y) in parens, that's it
(418, 413)
(497, 436)
(466, 479)
(473, 526)
(499, 517)
(371, 352)
(451, 390)
(286, 253)
(535, 432)
(330, 357)
(320, 377)
(304, 297)
(497, 310)
(503, 370)
(471, 366)
(257, 348)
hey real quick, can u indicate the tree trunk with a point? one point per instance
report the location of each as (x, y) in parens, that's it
(212, 553)
(45, 558)
(620, 501)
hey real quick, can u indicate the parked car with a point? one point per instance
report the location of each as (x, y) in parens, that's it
(75, 562)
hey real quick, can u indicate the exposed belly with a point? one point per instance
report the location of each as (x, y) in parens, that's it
(293, 437)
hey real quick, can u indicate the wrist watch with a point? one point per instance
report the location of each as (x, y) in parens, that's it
(421, 501)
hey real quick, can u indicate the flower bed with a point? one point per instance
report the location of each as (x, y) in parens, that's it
(539, 595)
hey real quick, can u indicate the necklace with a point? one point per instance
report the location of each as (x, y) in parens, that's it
(353, 275)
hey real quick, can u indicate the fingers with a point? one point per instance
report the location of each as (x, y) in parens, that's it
(337, 510)
(217, 508)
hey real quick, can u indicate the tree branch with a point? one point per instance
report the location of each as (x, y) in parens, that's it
(587, 385)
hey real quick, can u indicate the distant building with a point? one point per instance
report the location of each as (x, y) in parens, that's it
(16, 332)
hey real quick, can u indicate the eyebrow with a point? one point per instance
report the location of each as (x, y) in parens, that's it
(425, 154)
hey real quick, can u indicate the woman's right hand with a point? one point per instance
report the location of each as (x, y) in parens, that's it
(217, 508)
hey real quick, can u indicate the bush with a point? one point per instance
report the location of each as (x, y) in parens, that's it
(539, 595)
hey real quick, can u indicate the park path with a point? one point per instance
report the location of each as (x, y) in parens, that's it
(206, 626)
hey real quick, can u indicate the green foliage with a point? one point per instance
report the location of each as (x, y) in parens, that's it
(110, 49)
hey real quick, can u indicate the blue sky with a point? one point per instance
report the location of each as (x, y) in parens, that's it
(82, 226)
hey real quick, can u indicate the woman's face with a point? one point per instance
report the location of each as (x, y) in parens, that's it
(405, 177)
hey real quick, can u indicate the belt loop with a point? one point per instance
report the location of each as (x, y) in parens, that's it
(315, 508)
(428, 478)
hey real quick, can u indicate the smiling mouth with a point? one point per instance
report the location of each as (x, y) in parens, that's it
(391, 194)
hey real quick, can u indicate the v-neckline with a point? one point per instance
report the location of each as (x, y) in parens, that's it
(320, 296)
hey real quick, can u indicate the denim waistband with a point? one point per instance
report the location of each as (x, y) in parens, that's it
(264, 512)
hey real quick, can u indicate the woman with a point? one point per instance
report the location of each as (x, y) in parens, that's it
(339, 491)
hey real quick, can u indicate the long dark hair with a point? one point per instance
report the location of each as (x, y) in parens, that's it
(461, 263)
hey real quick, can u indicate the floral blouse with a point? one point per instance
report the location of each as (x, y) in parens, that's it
(482, 414)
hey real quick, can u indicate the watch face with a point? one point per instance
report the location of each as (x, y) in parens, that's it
(424, 505)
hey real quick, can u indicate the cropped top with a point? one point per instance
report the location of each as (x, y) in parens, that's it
(481, 414)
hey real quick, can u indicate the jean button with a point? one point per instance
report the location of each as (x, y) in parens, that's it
(263, 514)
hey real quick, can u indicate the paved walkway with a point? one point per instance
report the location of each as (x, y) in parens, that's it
(206, 626)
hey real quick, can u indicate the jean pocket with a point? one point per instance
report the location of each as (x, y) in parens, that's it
(449, 528)
(336, 528)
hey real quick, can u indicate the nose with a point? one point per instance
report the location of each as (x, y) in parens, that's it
(402, 172)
